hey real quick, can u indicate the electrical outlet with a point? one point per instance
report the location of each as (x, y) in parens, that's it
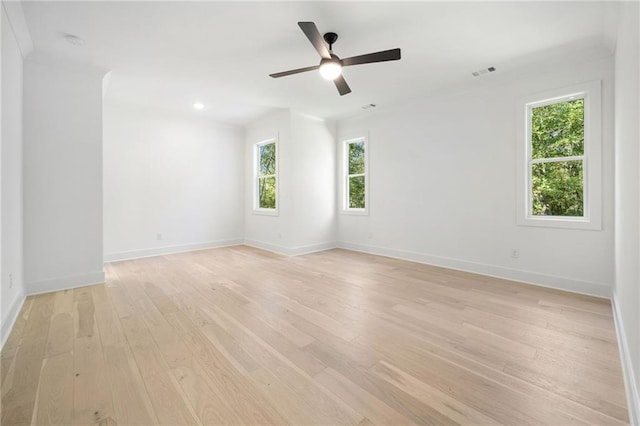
(158, 236)
(10, 280)
(515, 253)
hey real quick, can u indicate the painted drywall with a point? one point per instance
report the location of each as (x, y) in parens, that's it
(305, 219)
(313, 183)
(171, 182)
(12, 282)
(442, 186)
(62, 174)
(627, 190)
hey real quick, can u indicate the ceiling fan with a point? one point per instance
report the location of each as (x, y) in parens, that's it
(331, 65)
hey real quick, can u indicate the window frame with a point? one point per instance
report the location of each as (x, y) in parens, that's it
(346, 176)
(257, 176)
(591, 158)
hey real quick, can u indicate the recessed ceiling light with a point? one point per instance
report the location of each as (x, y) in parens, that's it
(198, 105)
(73, 39)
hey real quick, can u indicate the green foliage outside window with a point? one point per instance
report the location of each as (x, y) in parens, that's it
(356, 158)
(357, 182)
(356, 192)
(266, 178)
(557, 130)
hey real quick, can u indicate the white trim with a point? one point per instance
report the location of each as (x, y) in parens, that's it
(290, 251)
(10, 317)
(19, 27)
(344, 176)
(630, 384)
(528, 277)
(64, 283)
(159, 251)
(256, 176)
(592, 159)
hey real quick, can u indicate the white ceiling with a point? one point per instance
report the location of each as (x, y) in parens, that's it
(172, 54)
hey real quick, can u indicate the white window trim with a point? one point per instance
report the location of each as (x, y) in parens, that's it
(344, 178)
(592, 158)
(256, 164)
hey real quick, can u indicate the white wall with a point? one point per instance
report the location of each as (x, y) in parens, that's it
(442, 187)
(313, 183)
(62, 175)
(306, 184)
(12, 283)
(627, 189)
(178, 176)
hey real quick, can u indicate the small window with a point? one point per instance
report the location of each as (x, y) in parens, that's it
(355, 189)
(562, 163)
(266, 181)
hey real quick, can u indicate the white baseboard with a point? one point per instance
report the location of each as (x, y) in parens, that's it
(290, 251)
(9, 318)
(64, 283)
(158, 251)
(630, 384)
(528, 277)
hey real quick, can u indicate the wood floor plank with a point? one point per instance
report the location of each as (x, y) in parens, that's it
(19, 393)
(131, 401)
(11, 345)
(238, 335)
(55, 391)
(248, 404)
(362, 401)
(442, 402)
(92, 403)
(60, 334)
(20, 390)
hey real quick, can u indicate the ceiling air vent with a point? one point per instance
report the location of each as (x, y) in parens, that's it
(368, 106)
(483, 71)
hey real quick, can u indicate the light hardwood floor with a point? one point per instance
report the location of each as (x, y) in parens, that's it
(242, 336)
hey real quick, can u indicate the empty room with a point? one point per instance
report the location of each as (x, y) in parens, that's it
(320, 213)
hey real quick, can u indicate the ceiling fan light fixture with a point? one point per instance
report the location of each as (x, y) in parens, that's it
(330, 69)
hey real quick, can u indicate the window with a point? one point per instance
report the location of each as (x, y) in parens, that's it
(562, 159)
(266, 180)
(355, 163)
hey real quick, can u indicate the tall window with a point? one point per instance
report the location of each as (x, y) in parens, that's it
(557, 159)
(266, 181)
(562, 158)
(355, 160)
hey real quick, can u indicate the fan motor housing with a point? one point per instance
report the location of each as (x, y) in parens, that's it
(330, 38)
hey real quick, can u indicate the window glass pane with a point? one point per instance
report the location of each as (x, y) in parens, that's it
(356, 192)
(557, 130)
(267, 193)
(356, 158)
(558, 188)
(268, 159)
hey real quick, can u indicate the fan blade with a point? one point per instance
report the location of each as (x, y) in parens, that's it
(341, 84)
(311, 31)
(385, 55)
(296, 71)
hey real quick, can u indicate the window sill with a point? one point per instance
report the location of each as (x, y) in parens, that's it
(563, 223)
(356, 212)
(265, 212)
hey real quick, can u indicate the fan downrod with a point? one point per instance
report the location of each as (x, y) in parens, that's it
(330, 38)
